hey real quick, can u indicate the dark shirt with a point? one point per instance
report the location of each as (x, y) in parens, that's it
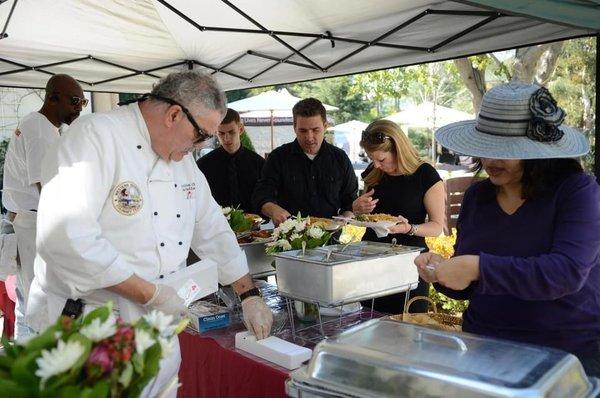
(322, 187)
(539, 267)
(232, 177)
(404, 196)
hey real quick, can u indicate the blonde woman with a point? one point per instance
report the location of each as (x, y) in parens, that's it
(399, 183)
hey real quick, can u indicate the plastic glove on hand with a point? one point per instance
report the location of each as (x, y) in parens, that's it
(165, 299)
(258, 318)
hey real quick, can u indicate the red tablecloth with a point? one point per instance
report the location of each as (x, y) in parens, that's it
(210, 370)
(7, 306)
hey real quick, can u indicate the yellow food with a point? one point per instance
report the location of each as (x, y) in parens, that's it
(376, 217)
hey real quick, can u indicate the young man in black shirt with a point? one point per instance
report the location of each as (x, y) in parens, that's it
(232, 170)
(307, 175)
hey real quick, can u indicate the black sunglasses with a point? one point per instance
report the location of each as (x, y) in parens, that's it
(201, 134)
(75, 100)
(373, 137)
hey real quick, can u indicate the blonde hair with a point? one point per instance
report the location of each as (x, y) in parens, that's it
(407, 158)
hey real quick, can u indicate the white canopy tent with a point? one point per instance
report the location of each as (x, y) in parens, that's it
(430, 116)
(347, 137)
(124, 46)
(267, 103)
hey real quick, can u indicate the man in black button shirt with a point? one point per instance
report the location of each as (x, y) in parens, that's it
(307, 175)
(232, 170)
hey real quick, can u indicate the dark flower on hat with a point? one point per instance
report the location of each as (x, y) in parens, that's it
(546, 117)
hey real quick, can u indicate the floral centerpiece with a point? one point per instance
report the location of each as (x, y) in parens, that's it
(239, 221)
(94, 356)
(290, 234)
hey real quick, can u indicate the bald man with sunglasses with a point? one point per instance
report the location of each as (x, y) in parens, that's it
(35, 133)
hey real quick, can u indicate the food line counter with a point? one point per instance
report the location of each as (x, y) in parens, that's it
(371, 357)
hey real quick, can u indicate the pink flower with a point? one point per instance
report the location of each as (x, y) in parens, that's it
(100, 359)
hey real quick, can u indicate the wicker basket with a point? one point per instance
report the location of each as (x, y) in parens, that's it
(431, 319)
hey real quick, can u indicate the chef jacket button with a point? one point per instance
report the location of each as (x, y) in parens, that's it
(175, 185)
(161, 276)
(178, 215)
(180, 243)
(139, 147)
(156, 213)
(162, 244)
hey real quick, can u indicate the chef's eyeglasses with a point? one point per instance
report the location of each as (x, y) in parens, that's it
(374, 137)
(201, 134)
(76, 101)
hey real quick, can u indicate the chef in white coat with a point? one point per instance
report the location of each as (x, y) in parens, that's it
(122, 203)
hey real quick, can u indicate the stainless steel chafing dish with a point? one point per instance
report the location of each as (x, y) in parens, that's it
(384, 358)
(259, 262)
(338, 274)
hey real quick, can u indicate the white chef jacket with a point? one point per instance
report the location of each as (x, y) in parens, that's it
(23, 163)
(111, 207)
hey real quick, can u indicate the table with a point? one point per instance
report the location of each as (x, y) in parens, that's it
(212, 367)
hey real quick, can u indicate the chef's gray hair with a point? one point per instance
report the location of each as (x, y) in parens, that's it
(192, 89)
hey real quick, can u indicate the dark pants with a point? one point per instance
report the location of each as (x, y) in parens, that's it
(394, 304)
(591, 364)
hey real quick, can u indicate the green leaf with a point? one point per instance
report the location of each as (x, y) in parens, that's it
(24, 367)
(100, 312)
(46, 340)
(10, 388)
(71, 391)
(100, 390)
(138, 363)
(6, 362)
(151, 361)
(126, 375)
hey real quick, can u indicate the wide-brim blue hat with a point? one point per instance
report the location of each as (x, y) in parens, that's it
(516, 121)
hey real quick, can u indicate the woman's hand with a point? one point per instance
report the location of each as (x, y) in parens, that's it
(402, 226)
(365, 203)
(426, 263)
(458, 272)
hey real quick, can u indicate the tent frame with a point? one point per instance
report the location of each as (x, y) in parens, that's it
(275, 34)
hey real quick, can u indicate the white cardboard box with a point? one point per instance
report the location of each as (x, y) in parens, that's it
(273, 349)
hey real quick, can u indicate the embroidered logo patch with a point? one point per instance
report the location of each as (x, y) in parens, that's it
(17, 132)
(189, 190)
(127, 198)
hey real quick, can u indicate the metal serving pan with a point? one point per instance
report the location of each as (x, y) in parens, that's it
(259, 262)
(384, 358)
(331, 278)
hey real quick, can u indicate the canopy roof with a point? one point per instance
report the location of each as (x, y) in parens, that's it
(124, 46)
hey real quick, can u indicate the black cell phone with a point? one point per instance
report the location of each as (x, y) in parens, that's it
(73, 308)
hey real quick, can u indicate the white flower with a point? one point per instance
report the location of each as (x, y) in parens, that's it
(295, 236)
(143, 341)
(161, 322)
(166, 346)
(315, 232)
(58, 360)
(300, 225)
(287, 226)
(226, 210)
(284, 244)
(98, 330)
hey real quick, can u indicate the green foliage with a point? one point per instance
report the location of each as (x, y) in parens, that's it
(247, 142)
(3, 148)
(446, 304)
(237, 219)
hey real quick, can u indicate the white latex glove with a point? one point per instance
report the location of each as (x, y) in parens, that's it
(166, 300)
(258, 318)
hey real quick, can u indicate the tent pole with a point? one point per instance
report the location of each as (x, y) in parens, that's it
(597, 123)
(272, 144)
(10, 13)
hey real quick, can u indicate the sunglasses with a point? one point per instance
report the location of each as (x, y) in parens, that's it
(373, 137)
(75, 100)
(200, 133)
